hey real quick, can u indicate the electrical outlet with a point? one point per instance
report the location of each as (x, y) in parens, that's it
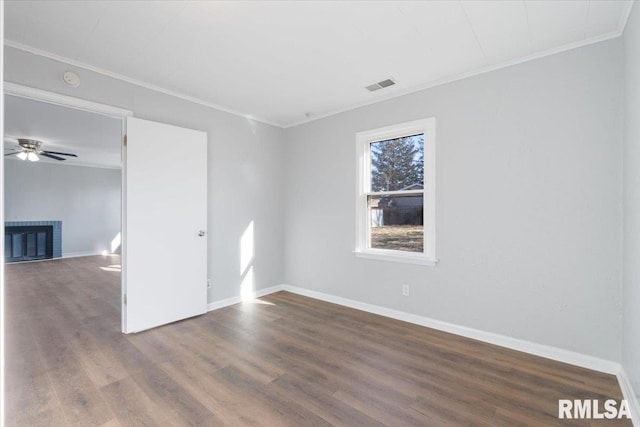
(405, 290)
(208, 283)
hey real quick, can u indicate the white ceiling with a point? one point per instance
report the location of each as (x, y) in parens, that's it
(289, 62)
(94, 138)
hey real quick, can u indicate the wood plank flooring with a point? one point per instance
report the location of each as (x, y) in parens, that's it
(282, 360)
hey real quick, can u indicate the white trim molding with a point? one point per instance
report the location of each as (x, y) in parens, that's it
(549, 352)
(391, 256)
(104, 72)
(21, 91)
(624, 18)
(364, 190)
(630, 396)
(542, 350)
(68, 255)
(216, 305)
(80, 254)
(397, 93)
(431, 84)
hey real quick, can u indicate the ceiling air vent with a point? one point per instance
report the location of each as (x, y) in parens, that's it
(380, 85)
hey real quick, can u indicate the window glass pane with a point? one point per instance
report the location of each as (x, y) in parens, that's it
(398, 164)
(396, 222)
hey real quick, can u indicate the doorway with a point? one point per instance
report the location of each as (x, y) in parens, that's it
(63, 199)
(158, 184)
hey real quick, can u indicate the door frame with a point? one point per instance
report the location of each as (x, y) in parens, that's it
(35, 94)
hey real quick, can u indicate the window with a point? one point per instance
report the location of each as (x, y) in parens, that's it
(396, 193)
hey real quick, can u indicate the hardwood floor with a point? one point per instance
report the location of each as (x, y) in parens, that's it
(280, 360)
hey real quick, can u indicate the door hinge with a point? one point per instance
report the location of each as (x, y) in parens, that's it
(125, 140)
(125, 299)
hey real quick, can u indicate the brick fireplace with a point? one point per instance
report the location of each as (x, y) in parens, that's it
(32, 240)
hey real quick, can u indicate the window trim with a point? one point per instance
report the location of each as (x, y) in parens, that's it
(363, 183)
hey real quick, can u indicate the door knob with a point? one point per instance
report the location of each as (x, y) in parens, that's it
(202, 233)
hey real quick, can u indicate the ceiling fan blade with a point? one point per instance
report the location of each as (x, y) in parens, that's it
(62, 154)
(11, 154)
(51, 156)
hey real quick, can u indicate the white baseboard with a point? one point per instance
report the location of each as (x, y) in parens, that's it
(542, 350)
(80, 254)
(68, 255)
(215, 305)
(630, 396)
(549, 352)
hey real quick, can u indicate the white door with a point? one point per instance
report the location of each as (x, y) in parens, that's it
(165, 219)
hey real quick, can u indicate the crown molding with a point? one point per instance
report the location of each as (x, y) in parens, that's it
(624, 18)
(396, 94)
(440, 82)
(146, 85)
(21, 91)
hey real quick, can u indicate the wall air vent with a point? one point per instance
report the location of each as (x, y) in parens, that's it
(380, 85)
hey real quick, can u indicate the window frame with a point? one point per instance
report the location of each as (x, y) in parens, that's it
(363, 190)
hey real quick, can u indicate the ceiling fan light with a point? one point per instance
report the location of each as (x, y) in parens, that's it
(33, 157)
(22, 155)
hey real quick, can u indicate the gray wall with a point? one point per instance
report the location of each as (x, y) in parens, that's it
(631, 285)
(245, 158)
(528, 203)
(86, 200)
(529, 196)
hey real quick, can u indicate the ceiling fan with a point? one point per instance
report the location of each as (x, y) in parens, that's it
(30, 150)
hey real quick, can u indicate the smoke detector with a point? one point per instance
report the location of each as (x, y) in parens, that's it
(380, 85)
(71, 79)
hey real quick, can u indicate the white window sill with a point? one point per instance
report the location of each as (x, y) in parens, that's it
(396, 256)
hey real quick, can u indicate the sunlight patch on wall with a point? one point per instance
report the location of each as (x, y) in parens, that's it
(246, 249)
(116, 242)
(246, 288)
(247, 253)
